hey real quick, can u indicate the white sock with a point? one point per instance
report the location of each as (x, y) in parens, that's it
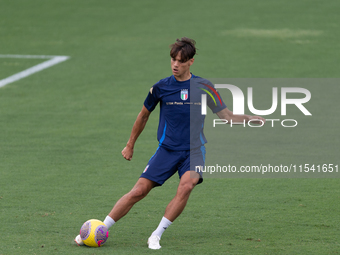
(163, 225)
(109, 222)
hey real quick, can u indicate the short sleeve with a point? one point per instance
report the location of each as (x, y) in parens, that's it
(216, 104)
(152, 99)
(214, 100)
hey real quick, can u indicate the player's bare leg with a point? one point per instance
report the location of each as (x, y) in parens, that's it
(175, 207)
(187, 183)
(125, 203)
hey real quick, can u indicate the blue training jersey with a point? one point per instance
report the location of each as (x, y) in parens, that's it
(180, 121)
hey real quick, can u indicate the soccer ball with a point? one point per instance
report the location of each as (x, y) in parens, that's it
(94, 233)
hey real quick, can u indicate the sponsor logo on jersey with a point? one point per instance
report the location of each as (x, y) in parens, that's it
(184, 94)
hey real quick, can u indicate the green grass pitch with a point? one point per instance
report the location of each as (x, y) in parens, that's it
(62, 129)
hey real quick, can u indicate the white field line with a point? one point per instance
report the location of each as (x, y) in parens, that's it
(52, 60)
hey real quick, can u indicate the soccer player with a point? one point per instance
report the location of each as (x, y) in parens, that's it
(180, 146)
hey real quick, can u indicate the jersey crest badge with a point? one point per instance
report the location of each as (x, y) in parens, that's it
(184, 94)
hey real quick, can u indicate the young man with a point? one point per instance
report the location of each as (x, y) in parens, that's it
(175, 152)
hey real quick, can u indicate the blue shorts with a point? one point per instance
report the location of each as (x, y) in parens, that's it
(165, 163)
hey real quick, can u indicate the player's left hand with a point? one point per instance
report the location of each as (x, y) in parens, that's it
(257, 120)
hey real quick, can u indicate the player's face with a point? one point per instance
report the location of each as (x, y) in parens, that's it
(180, 69)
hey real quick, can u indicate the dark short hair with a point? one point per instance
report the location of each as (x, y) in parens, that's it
(184, 45)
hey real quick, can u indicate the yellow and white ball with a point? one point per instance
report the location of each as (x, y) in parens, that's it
(94, 233)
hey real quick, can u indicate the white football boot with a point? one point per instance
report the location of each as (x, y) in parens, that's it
(78, 240)
(153, 242)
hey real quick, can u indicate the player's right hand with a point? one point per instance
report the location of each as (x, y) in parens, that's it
(127, 153)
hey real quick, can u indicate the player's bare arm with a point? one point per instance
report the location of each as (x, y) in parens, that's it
(137, 129)
(228, 115)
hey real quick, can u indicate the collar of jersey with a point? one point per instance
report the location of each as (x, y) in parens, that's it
(192, 76)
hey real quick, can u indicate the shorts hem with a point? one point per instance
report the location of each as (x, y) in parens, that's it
(157, 184)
